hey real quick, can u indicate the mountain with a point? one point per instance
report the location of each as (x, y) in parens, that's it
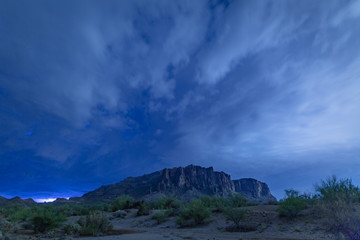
(185, 183)
(4, 202)
(253, 190)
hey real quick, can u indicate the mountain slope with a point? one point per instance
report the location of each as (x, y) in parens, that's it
(191, 181)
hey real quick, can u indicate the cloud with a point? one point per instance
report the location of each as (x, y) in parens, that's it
(85, 56)
(246, 29)
(288, 98)
(97, 89)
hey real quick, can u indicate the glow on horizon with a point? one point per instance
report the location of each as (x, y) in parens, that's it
(46, 200)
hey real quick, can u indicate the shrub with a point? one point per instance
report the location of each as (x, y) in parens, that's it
(194, 213)
(216, 203)
(72, 229)
(162, 215)
(45, 219)
(7, 227)
(237, 200)
(94, 224)
(338, 200)
(101, 207)
(166, 202)
(18, 213)
(333, 189)
(119, 214)
(123, 202)
(235, 215)
(292, 205)
(143, 209)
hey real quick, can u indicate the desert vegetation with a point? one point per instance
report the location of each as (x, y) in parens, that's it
(334, 208)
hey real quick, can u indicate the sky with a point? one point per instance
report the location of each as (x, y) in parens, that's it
(92, 92)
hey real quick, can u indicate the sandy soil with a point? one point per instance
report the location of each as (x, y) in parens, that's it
(263, 221)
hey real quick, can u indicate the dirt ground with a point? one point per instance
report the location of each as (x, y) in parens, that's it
(261, 222)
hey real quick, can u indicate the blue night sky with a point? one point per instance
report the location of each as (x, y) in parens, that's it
(92, 92)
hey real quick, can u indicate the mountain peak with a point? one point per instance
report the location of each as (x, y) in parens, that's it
(183, 182)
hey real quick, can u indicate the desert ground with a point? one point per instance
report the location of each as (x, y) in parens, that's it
(261, 222)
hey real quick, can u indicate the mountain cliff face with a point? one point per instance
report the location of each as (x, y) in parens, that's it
(253, 190)
(191, 181)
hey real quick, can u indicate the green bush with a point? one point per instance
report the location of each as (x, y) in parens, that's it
(143, 209)
(16, 213)
(79, 210)
(237, 200)
(123, 202)
(166, 202)
(45, 219)
(162, 215)
(194, 213)
(292, 205)
(7, 227)
(94, 224)
(333, 189)
(72, 229)
(218, 204)
(235, 215)
(338, 201)
(21, 214)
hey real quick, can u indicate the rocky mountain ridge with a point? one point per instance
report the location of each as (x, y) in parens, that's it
(185, 183)
(182, 182)
(4, 202)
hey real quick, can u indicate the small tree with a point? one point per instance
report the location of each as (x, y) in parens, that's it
(45, 219)
(339, 203)
(292, 205)
(237, 200)
(235, 215)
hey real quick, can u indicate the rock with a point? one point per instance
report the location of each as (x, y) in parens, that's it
(185, 183)
(120, 214)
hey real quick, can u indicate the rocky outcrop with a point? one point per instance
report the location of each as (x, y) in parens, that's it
(180, 181)
(191, 181)
(253, 190)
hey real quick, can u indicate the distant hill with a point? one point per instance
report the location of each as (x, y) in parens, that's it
(185, 183)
